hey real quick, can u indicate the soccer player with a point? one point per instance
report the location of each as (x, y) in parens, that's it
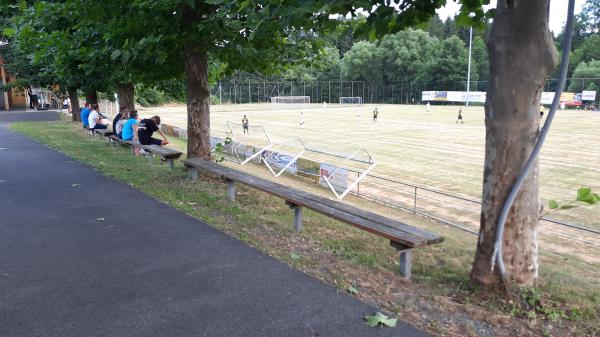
(302, 119)
(375, 114)
(428, 105)
(245, 125)
(460, 116)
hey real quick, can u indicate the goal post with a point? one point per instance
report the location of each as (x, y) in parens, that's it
(289, 101)
(351, 100)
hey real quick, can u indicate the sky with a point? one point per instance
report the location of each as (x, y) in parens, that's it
(558, 12)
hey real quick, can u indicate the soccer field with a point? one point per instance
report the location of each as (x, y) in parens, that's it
(427, 148)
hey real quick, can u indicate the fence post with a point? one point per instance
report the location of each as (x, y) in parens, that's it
(415, 203)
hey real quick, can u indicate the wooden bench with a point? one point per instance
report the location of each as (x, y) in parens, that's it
(402, 237)
(167, 154)
(103, 132)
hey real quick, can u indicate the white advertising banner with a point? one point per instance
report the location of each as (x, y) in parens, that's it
(339, 180)
(453, 96)
(588, 95)
(280, 160)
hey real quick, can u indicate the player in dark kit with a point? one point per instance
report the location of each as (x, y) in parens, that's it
(460, 117)
(145, 130)
(375, 114)
(245, 124)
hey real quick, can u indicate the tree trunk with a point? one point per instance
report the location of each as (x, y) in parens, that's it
(198, 103)
(91, 97)
(74, 105)
(521, 55)
(126, 96)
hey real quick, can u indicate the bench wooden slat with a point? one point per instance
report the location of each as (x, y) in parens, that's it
(395, 231)
(103, 132)
(167, 153)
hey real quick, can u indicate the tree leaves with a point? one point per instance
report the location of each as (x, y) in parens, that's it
(380, 319)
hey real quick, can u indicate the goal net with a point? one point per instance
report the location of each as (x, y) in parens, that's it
(289, 102)
(351, 100)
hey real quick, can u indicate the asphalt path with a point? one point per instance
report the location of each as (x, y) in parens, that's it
(103, 259)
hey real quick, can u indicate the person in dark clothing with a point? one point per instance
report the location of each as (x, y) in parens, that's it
(145, 130)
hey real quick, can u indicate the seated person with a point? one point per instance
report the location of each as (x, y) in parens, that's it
(147, 128)
(118, 127)
(130, 131)
(85, 114)
(94, 120)
(130, 128)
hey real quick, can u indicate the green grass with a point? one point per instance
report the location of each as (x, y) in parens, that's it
(329, 250)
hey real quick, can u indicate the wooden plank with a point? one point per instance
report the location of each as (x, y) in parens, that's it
(396, 231)
(167, 153)
(395, 225)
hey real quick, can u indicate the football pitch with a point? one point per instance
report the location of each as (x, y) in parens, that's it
(428, 149)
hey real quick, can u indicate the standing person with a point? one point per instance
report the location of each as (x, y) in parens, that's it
(302, 119)
(460, 116)
(244, 124)
(85, 114)
(375, 115)
(34, 98)
(94, 120)
(28, 90)
(145, 130)
(66, 104)
(130, 131)
(428, 105)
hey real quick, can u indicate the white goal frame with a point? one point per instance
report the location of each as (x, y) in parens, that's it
(237, 142)
(289, 100)
(372, 163)
(353, 100)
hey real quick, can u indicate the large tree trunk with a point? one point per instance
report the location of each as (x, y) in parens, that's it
(126, 96)
(74, 105)
(91, 97)
(521, 55)
(198, 103)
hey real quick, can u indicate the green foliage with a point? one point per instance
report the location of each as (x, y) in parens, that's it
(585, 196)
(380, 319)
(150, 96)
(534, 303)
(586, 70)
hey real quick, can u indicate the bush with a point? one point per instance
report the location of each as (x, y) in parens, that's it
(150, 96)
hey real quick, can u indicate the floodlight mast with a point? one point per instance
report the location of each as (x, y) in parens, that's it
(469, 66)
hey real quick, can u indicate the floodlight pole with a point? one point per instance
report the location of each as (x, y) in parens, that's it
(469, 67)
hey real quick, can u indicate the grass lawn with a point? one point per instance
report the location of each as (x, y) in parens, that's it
(440, 299)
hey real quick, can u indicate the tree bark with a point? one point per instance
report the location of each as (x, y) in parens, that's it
(522, 55)
(75, 115)
(198, 103)
(126, 96)
(91, 97)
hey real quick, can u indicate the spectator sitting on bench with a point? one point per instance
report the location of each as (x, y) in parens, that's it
(85, 114)
(94, 120)
(147, 128)
(118, 127)
(130, 131)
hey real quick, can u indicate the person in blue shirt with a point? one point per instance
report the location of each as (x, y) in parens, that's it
(130, 131)
(85, 113)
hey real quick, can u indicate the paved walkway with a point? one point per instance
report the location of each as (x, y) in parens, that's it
(146, 270)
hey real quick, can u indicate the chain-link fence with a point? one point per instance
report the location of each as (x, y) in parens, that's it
(371, 93)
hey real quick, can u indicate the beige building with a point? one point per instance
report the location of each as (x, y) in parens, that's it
(11, 98)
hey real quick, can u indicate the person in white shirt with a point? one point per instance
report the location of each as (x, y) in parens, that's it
(94, 120)
(34, 97)
(428, 105)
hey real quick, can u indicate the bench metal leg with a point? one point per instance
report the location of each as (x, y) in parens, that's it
(405, 259)
(297, 216)
(171, 164)
(230, 190)
(406, 263)
(193, 173)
